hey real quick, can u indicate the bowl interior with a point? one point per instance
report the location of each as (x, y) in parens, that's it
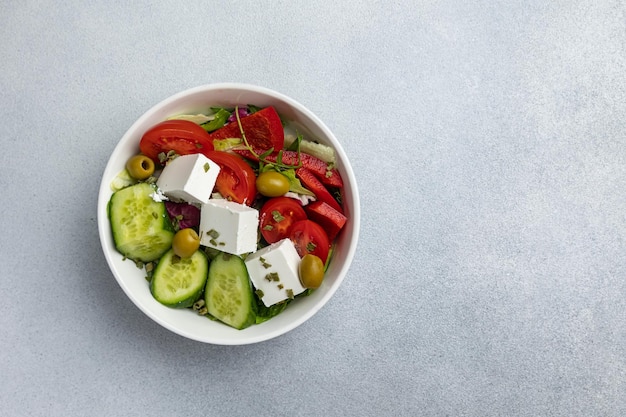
(185, 322)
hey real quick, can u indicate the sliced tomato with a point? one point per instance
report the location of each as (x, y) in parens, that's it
(181, 136)
(263, 130)
(277, 216)
(236, 180)
(323, 214)
(310, 237)
(311, 182)
(327, 175)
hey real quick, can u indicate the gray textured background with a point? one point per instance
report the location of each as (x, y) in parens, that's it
(488, 140)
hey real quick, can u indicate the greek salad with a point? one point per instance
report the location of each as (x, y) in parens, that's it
(230, 213)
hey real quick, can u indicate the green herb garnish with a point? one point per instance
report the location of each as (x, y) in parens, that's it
(264, 262)
(165, 158)
(277, 216)
(272, 276)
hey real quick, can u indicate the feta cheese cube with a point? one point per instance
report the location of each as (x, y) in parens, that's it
(189, 178)
(228, 226)
(273, 271)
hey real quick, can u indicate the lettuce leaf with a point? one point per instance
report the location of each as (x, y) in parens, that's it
(221, 115)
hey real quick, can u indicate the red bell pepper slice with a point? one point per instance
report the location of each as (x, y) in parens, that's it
(323, 214)
(263, 130)
(328, 176)
(310, 181)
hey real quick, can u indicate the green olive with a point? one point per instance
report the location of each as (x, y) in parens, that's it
(186, 242)
(140, 167)
(311, 271)
(272, 184)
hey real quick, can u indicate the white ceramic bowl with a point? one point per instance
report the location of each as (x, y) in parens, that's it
(185, 322)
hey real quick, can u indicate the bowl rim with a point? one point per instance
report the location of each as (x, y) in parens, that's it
(105, 193)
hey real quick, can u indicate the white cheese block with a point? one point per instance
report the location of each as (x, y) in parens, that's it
(228, 226)
(273, 271)
(189, 178)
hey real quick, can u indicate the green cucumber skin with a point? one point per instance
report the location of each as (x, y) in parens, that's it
(179, 283)
(141, 228)
(228, 294)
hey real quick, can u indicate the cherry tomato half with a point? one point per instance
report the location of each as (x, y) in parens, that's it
(236, 180)
(276, 217)
(181, 136)
(309, 237)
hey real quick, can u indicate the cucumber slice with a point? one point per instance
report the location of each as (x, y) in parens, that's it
(179, 282)
(142, 230)
(228, 293)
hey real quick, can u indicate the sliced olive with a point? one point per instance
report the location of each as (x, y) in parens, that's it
(140, 167)
(186, 242)
(272, 184)
(311, 271)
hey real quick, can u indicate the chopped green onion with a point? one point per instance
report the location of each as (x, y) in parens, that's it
(272, 276)
(277, 216)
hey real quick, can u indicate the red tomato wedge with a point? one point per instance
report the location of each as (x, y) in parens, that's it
(328, 176)
(181, 136)
(330, 219)
(236, 180)
(263, 130)
(277, 216)
(311, 182)
(310, 237)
